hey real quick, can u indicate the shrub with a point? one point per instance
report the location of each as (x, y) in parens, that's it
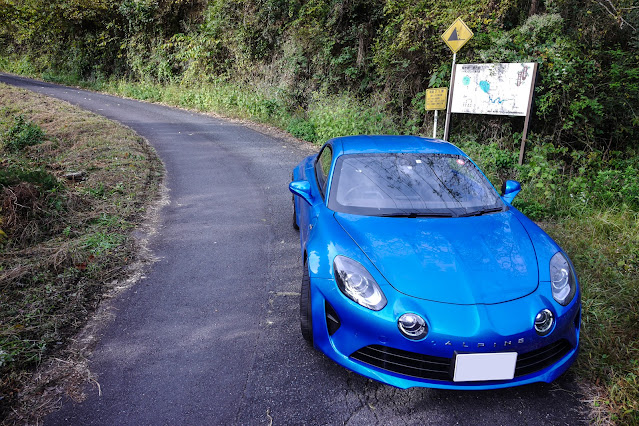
(14, 175)
(302, 129)
(616, 187)
(22, 133)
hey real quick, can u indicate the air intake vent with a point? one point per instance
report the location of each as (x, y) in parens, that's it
(332, 320)
(404, 362)
(438, 368)
(541, 358)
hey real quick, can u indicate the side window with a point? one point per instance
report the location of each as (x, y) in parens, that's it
(322, 167)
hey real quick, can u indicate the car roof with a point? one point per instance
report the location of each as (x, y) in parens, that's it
(387, 143)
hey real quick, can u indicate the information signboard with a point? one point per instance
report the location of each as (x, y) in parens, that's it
(497, 89)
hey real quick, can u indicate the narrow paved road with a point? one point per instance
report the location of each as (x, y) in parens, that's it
(211, 334)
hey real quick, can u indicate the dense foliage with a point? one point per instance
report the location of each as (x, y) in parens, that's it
(386, 53)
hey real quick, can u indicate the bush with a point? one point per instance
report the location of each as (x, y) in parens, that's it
(302, 129)
(22, 133)
(616, 187)
(10, 176)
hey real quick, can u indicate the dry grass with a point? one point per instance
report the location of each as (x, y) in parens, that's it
(62, 245)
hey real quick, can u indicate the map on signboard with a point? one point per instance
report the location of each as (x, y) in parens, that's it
(499, 89)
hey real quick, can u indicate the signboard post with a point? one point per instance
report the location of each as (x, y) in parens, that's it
(450, 99)
(435, 101)
(526, 122)
(455, 37)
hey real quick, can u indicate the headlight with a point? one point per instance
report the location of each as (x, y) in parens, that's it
(357, 283)
(562, 279)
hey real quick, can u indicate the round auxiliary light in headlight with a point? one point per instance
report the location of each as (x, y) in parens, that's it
(544, 322)
(412, 326)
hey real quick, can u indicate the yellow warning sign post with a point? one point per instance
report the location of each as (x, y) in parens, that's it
(455, 37)
(435, 101)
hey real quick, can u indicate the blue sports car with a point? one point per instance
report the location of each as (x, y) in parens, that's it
(416, 272)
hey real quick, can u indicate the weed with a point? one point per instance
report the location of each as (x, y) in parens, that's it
(13, 175)
(302, 129)
(107, 221)
(118, 189)
(102, 242)
(99, 191)
(22, 133)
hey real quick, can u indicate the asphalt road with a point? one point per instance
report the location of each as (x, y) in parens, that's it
(211, 334)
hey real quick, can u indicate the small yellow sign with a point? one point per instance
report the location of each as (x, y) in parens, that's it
(457, 35)
(436, 99)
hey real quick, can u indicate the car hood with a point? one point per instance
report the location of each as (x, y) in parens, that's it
(474, 260)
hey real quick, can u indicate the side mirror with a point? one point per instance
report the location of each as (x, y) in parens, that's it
(303, 189)
(509, 190)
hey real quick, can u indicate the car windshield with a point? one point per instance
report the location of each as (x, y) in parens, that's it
(411, 185)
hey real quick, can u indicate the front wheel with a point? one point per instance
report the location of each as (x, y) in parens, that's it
(306, 317)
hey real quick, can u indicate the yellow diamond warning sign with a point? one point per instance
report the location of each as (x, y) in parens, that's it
(457, 35)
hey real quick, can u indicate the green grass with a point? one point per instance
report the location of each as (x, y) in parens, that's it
(21, 134)
(604, 247)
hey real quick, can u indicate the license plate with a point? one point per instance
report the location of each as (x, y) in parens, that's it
(480, 367)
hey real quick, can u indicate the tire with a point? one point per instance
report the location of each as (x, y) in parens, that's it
(306, 317)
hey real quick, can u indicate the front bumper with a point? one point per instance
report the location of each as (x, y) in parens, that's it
(369, 343)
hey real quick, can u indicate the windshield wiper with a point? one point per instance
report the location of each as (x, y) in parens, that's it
(481, 212)
(413, 215)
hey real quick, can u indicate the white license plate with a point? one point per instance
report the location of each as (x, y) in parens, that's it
(480, 367)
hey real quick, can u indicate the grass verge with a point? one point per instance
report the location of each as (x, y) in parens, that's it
(604, 247)
(73, 185)
(325, 117)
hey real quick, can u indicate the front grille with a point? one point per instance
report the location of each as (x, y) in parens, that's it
(539, 359)
(404, 362)
(439, 368)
